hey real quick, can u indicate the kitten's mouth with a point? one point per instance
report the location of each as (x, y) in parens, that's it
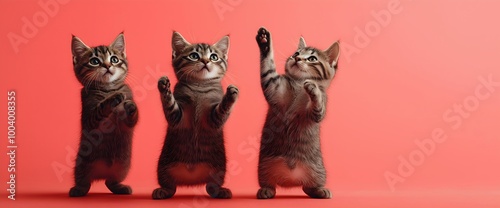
(296, 64)
(205, 68)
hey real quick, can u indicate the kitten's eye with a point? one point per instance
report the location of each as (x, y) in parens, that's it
(214, 57)
(194, 56)
(295, 54)
(114, 59)
(94, 61)
(312, 58)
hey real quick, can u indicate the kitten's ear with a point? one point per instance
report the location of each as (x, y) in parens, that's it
(302, 43)
(178, 43)
(333, 53)
(119, 43)
(223, 45)
(78, 48)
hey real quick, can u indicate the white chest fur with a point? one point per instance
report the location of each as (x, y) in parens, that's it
(191, 174)
(102, 170)
(282, 174)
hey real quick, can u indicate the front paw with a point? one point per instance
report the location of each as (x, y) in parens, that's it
(116, 99)
(164, 84)
(109, 103)
(232, 93)
(130, 107)
(311, 88)
(263, 40)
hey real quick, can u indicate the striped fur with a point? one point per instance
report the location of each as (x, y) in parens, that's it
(290, 153)
(196, 110)
(109, 115)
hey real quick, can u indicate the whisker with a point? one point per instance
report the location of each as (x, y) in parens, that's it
(282, 56)
(191, 37)
(87, 80)
(181, 73)
(95, 79)
(191, 73)
(229, 77)
(292, 42)
(132, 79)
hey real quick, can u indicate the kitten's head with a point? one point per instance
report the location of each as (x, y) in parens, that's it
(199, 62)
(101, 65)
(311, 63)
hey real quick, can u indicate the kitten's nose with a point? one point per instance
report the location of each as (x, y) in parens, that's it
(205, 61)
(107, 65)
(297, 59)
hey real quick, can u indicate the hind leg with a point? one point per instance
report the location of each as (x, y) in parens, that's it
(316, 188)
(82, 180)
(267, 187)
(167, 185)
(266, 181)
(117, 187)
(114, 183)
(266, 192)
(80, 189)
(214, 186)
(317, 192)
(164, 192)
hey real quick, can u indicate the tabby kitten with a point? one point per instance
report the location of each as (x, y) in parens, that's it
(193, 152)
(290, 153)
(109, 115)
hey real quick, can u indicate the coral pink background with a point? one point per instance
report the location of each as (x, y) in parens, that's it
(393, 87)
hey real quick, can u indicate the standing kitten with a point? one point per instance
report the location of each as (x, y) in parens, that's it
(290, 153)
(193, 152)
(108, 116)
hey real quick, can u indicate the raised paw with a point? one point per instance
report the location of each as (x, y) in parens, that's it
(116, 99)
(266, 193)
(130, 107)
(161, 193)
(112, 101)
(232, 92)
(164, 84)
(311, 88)
(318, 193)
(263, 40)
(109, 103)
(78, 191)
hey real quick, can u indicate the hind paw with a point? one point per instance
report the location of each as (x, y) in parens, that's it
(120, 189)
(78, 191)
(318, 193)
(161, 193)
(220, 193)
(266, 193)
